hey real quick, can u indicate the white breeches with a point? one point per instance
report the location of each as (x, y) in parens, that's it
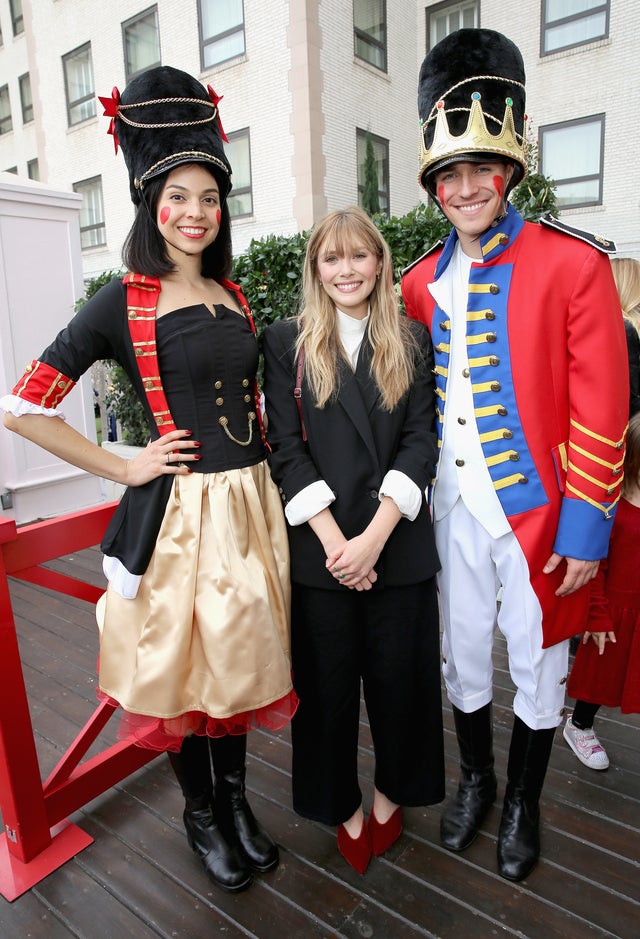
(474, 568)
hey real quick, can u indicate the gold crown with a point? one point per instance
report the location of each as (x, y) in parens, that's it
(476, 137)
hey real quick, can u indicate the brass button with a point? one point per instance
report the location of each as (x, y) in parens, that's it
(494, 360)
(60, 384)
(438, 349)
(523, 479)
(459, 462)
(373, 494)
(139, 352)
(465, 373)
(496, 386)
(489, 315)
(148, 384)
(247, 399)
(462, 420)
(490, 337)
(217, 385)
(503, 239)
(562, 712)
(29, 368)
(617, 472)
(502, 412)
(443, 325)
(133, 315)
(493, 288)
(514, 457)
(563, 681)
(160, 420)
(507, 434)
(245, 382)
(219, 401)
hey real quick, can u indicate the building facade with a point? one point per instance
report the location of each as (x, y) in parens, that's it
(305, 84)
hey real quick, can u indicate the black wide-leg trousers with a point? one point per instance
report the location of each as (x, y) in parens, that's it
(388, 639)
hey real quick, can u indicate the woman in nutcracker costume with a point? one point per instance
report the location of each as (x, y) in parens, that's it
(532, 419)
(195, 623)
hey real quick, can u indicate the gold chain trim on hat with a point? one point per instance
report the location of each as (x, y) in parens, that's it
(195, 155)
(224, 422)
(142, 104)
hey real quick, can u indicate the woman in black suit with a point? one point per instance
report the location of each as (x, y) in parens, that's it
(353, 452)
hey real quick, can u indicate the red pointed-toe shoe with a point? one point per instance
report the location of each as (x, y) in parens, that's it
(355, 851)
(383, 836)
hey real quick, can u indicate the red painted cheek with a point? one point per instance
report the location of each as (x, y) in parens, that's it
(218, 216)
(165, 212)
(441, 194)
(498, 183)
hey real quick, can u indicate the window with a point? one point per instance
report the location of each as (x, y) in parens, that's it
(571, 153)
(92, 228)
(445, 18)
(6, 124)
(381, 154)
(141, 40)
(370, 32)
(238, 152)
(221, 31)
(567, 23)
(25, 98)
(33, 170)
(12, 169)
(17, 20)
(78, 81)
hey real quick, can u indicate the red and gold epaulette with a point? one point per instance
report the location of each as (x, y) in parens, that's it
(43, 385)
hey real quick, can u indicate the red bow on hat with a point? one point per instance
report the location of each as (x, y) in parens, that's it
(110, 106)
(216, 99)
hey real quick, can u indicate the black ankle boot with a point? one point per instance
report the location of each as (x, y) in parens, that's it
(519, 835)
(461, 819)
(222, 861)
(237, 819)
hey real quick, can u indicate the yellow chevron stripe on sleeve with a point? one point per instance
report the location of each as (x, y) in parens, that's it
(590, 433)
(500, 458)
(488, 411)
(474, 315)
(492, 435)
(592, 479)
(596, 459)
(481, 361)
(604, 509)
(507, 481)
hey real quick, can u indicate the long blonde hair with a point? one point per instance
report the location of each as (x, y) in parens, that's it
(394, 349)
(626, 273)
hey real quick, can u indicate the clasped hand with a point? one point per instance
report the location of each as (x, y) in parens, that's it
(352, 564)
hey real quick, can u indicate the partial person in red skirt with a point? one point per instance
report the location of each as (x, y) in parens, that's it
(606, 670)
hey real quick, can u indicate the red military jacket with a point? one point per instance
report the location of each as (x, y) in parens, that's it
(548, 365)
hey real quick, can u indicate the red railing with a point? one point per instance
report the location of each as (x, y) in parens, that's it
(37, 836)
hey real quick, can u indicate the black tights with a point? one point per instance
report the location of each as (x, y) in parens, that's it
(192, 765)
(583, 715)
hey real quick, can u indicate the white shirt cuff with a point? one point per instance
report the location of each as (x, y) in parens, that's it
(308, 502)
(404, 492)
(13, 404)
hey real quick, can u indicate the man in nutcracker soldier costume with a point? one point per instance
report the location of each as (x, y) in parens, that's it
(531, 372)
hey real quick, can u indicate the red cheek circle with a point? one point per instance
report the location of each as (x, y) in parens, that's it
(441, 194)
(165, 212)
(498, 183)
(218, 216)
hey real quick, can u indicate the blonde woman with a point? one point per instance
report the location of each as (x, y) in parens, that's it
(350, 401)
(626, 273)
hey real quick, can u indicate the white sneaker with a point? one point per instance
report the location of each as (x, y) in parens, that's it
(585, 745)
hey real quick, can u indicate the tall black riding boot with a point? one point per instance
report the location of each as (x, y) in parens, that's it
(463, 816)
(222, 860)
(232, 809)
(519, 836)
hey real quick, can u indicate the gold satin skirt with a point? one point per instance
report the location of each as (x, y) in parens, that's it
(208, 632)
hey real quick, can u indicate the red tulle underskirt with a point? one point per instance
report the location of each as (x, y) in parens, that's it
(158, 733)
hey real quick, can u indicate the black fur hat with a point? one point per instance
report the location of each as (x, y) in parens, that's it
(471, 102)
(163, 118)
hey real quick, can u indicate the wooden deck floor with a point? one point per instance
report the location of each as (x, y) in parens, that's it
(140, 879)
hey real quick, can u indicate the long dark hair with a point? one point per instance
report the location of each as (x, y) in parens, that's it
(145, 250)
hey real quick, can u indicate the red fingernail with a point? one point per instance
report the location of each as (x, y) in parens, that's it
(188, 433)
(196, 443)
(196, 456)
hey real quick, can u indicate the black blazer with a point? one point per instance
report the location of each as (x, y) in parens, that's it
(351, 445)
